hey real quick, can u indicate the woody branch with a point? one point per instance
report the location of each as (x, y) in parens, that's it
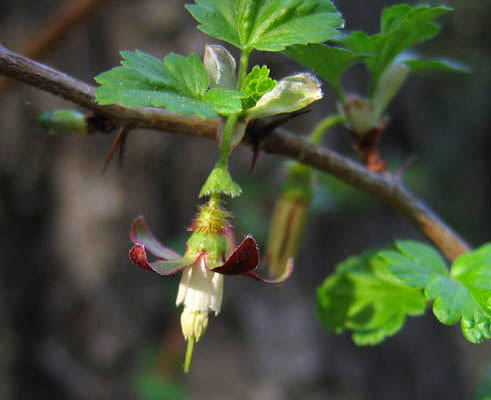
(385, 188)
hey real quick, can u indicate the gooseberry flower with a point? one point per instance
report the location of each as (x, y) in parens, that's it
(210, 254)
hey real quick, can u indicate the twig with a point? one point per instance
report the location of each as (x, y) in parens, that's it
(62, 22)
(280, 142)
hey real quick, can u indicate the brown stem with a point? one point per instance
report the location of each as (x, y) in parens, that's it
(280, 142)
(69, 16)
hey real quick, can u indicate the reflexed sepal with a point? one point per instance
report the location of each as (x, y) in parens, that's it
(138, 256)
(245, 259)
(287, 272)
(219, 181)
(141, 234)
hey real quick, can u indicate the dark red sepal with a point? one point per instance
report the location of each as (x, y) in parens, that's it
(288, 272)
(138, 256)
(140, 234)
(244, 258)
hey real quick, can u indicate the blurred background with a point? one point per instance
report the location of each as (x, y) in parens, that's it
(79, 321)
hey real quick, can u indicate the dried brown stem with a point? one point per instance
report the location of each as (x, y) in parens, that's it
(69, 16)
(280, 142)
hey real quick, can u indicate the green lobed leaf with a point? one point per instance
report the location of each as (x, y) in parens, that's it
(453, 301)
(225, 101)
(463, 295)
(268, 25)
(361, 297)
(327, 61)
(178, 84)
(256, 84)
(402, 27)
(414, 263)
(473, 269)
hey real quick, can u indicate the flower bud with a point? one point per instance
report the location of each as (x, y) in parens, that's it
(64, 122)
(388, 85)
(360, 113)
(289, 216)
(220, 66)
(364, 115)
(290, 94)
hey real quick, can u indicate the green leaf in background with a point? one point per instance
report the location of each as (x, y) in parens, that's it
(256, 84)
(414, 263)
(362, 298)
(420, 65)
(178, 84)
(333, 195)
(483, 391)
(268, 25)
(402, 27)
(152, 387)
(327, 61)
(464, 295)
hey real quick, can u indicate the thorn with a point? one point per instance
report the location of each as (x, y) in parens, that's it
(120, 139)
(258, 132)
(255, 156)
(405, 165)
(122, 145)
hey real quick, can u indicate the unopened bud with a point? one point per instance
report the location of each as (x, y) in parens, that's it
(220, 66)
(289, 216)
(360, 113)
(388, 85)
(290, 94)
(64, 122)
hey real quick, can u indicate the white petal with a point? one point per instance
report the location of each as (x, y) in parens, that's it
(200, 289)
(183, 285)
(216, 301)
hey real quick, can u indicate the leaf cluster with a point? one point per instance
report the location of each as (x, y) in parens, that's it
(371, 294)
(180, 84)
(177, 83)
(267, 25)
(401, 28)
(256, 84)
